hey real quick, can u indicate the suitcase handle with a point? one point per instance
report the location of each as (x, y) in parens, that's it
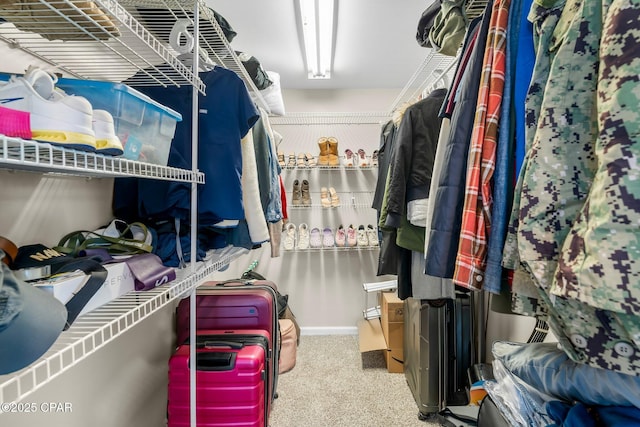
(221, 344)
(234, 282)
(215, 361)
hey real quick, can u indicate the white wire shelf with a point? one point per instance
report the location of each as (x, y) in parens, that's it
(340, 167)
(94, 330)
(159, 16)
(351, 199)
(97, 40)
(16, 153)
(334, 249)
(434, 67)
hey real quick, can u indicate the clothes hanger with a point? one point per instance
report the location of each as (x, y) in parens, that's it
(182, 41)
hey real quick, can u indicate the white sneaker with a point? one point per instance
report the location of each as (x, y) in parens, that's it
(57, 119)
(303, 236)
(289, 239)
(372, 235)
(107, 142)
(361, 236)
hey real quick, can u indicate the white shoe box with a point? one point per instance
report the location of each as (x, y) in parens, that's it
(119, 282)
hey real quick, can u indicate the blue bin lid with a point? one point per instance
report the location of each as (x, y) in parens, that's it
(121, 87)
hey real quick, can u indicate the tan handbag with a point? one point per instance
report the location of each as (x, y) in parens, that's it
(288, 349)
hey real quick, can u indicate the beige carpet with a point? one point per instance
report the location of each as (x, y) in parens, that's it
(330, 388)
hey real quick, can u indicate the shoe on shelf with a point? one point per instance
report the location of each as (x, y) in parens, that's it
(107, 142)
(334, 199)
(302, 161)
(323, 158)
(374, 159)
(328, 241)
(363, 161)
(291, 161)
(289, 238)
(348, 158)
(303, 236)
(315, 238)
(306, 197)
(281, 159)
(372, 236)
(311, 161)
(341, 237)
(296, 198)
(55, 118)
(351, 236)
(325, 201)
(334, 159)
(361, 236)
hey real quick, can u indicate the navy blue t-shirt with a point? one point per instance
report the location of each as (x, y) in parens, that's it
(227, 113)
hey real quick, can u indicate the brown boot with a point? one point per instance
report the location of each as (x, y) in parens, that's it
(323, 158)
(306, 197)
(296, 198)
(334, 160)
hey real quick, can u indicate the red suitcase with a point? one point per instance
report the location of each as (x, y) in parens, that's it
(231, 305)
(231, 380)
(236, 305)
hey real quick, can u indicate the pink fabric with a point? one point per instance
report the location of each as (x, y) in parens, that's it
(15, 123)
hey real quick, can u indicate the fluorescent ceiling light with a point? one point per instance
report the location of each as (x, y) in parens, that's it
(317, 30)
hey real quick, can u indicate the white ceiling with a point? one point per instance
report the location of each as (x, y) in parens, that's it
(375, 44)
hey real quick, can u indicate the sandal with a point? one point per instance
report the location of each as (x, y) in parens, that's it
(348, 158)
(328, 240)
(311, 161)
(325, 201)
(315, 239)
(335, 200)
(291, 163)
(302, 161)
(363, 161)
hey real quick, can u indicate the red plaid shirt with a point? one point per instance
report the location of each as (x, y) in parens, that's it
(476, 216)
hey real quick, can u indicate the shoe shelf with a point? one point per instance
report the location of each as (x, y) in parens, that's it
(100, 43)
(341, 167)
(16, 153)
(159, 17)
(93, 331)
(334, 249)
(351, 199)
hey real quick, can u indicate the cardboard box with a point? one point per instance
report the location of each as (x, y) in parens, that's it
(392, 319)
(394, 358)
(119, 282)
(372, 344)
(382, 336)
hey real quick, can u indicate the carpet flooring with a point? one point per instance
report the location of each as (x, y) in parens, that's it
(329, 387)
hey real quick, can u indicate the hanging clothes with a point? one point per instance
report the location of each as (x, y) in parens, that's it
(476, 213)
(414, 153)
(445, 222)
(599, 265)
(504, 175)
(226, 115)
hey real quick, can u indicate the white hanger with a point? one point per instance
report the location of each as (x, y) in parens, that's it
(182, 42)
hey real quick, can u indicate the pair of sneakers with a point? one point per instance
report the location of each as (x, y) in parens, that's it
(33, 108)
(351, 237)
(296, 237)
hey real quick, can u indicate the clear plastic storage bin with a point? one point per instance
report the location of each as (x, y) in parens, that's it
(144, 126)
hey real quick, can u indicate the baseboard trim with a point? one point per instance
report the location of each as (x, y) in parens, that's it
(329, 330)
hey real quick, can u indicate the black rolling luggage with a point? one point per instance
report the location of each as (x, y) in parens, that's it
(438, 350)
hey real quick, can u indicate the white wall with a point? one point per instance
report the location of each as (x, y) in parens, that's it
(352, 100)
